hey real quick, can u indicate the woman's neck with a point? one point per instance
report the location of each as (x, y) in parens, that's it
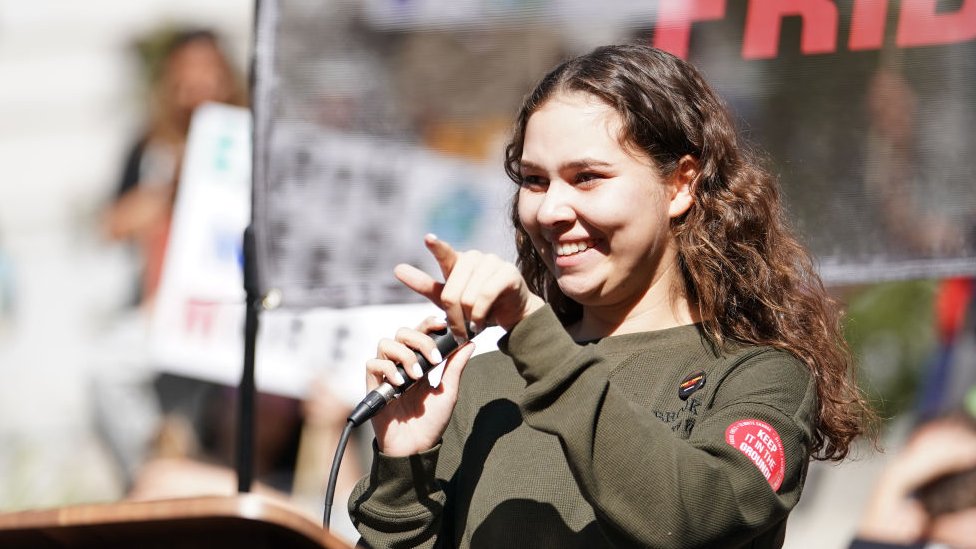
(664, 305)
(669, 313)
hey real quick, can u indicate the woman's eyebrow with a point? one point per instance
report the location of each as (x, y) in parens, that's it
(584, 163)
(529, 165)
(580, 164)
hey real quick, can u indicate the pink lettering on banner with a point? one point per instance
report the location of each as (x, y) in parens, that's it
(868, 25)
(920, 23)
(765, 17)
(758, 441)
(198, 317)
(923, 24)
(674, 19)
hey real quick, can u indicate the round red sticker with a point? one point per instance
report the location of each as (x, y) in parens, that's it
(761, 444)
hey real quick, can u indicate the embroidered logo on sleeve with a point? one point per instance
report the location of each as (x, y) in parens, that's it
(761, 444)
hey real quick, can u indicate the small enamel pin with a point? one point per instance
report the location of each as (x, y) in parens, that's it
(691, 383)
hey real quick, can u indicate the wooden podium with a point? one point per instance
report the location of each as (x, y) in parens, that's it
(245, 520)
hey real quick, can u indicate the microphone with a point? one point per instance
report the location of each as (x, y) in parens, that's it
(379, 397)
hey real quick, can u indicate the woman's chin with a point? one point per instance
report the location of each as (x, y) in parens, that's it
(583, 294)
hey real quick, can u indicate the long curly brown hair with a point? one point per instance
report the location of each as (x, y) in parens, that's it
(750, 278)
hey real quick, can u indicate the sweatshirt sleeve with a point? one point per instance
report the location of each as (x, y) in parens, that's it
(400, 503)
(647, 486)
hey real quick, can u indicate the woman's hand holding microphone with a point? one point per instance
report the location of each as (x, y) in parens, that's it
(478, 290)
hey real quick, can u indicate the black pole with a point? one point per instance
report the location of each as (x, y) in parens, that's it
(246, 391)
(252, 288)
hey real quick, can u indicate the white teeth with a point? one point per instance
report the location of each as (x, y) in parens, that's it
(570, 248)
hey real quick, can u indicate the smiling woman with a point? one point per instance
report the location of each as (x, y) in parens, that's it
(597, 213)
(670, 348)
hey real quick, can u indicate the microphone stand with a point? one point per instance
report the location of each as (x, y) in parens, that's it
(246, 389)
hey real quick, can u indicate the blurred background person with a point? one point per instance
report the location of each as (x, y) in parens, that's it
(186, 68)
(183, 68)
(927, 494)
(71, 99)
(191, 451)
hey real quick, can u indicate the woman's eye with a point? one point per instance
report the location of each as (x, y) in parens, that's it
(584, 177)
(534, 181)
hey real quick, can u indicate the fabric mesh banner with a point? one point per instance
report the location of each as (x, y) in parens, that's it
(377, 121)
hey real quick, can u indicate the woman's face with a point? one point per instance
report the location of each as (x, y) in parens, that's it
(598, 213)
(196, 73)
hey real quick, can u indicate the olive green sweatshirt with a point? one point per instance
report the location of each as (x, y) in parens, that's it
(641, 440)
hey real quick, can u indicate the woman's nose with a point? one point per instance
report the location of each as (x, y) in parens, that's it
(557, 206)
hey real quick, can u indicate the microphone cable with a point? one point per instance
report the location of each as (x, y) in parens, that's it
(374, 401)
(334, 473)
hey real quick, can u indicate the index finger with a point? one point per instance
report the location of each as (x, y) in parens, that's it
(443, 252)
(420, 282)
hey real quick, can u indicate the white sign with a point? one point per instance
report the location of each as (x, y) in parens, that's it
(198, 318)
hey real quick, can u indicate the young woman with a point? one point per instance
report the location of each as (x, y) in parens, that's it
(672, 360)
(191, 70)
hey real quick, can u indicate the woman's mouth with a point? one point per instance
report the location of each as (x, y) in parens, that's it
(572, 248)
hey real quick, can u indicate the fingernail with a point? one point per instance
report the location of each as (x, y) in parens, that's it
(460, 340)
(435, 356)
(438, 320)
(473, 328)
(399, 379)
(417, 370)
(432, 236)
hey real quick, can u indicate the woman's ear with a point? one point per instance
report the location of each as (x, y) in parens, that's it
(681, 186)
